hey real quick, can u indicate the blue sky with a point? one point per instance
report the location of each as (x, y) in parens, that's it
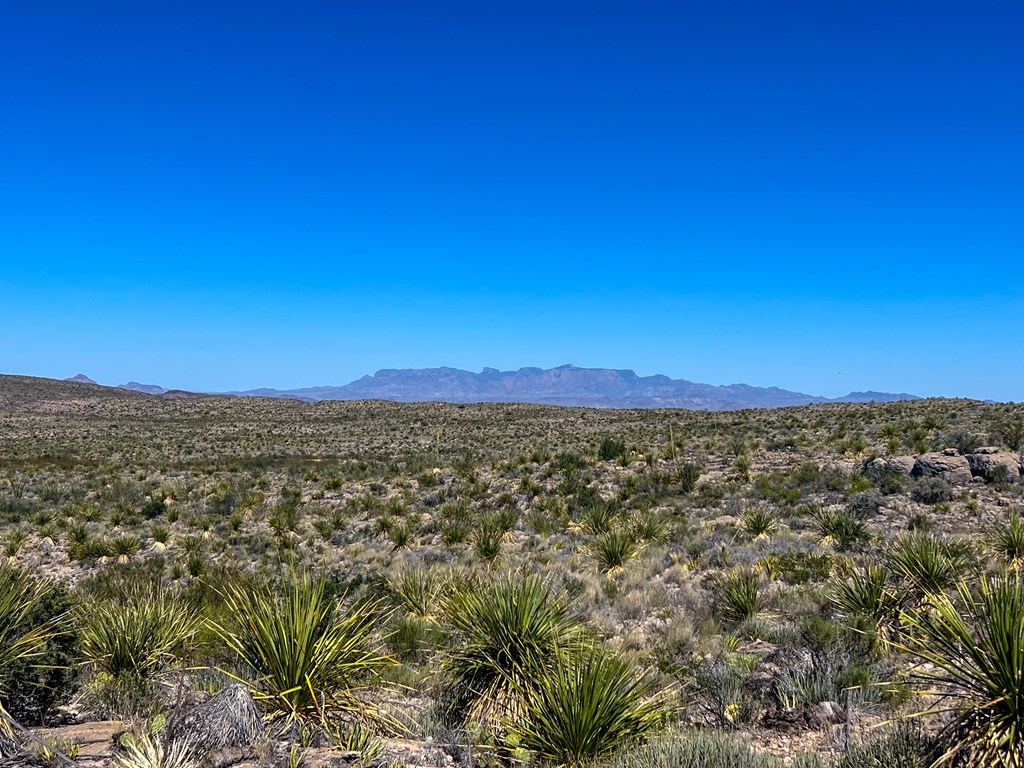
(820, 196)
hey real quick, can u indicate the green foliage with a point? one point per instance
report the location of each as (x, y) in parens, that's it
(308, 659)
(931, 490)
(975, 646)
(903, 747)
(129, 642)
(759, 523)
(701, 749)
(928, 563)
(1006, 540)
(613, 549)
(24, 633)
(513, 632)
(872, 602)
(33, 686)
(611, 449)
(585, 710)
(737, 596)
(841, 529)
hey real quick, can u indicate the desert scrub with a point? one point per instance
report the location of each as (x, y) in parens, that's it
(24, 632)
(705, 749)
(129, 642)
(585, 710)
(512, 632)
(737, 597)
(975, 646)
(309, 658)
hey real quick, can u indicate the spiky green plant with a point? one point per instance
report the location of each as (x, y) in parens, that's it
(140, 635)
(20, 594)
(613, 549)
(1006, 540)
(973, 650)
(759, 523)
(872, 602)
(514, 631)
(840, 528)
(309, 660)
(418, 592)
(487, 540)
(586, 709)
(737, 596)
(928, 563)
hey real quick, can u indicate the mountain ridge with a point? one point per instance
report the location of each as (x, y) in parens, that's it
(565, 385)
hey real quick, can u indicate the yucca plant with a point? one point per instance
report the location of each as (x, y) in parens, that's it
(129, 643)
(309, 660)
(873, 603)
(487, 540)
(927, 563)
(759, 523)
(140, 635)
(418, 592)
(1006, 540)
(20, 594)
(738, 596)
(514, 631)
(973, 650)
(612, 550)
(840, 529)
(585, 710)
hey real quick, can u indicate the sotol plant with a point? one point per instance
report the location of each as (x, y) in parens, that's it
(309, 657)
(975, 646)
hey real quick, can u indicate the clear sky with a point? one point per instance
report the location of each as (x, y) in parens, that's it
(823, 196)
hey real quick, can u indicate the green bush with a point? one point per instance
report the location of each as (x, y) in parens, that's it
(931, 490)
(587, 709)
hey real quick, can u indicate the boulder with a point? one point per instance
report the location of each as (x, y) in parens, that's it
(902, 465)
(948, 465)
(227, 722)
(989, 462)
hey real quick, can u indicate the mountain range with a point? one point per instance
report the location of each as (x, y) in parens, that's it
(565, 385)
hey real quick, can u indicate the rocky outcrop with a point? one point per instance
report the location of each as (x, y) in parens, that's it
(902, 465)
(994, 464)
(948, 465)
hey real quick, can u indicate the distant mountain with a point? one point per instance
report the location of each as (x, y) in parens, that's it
(149, 389)
(565, 385)
(82, 378)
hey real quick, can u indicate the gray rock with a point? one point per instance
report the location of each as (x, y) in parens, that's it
(951, 467)
(902, 465)
(987, 462)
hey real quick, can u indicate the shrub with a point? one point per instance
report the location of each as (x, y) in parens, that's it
(931, 490)
(928, 563)
(32, 687)
(759, 523)
(585, 710)
(864, 504)
(689, 474)
(975, 647)
(514, 632)
(612, 550)
(872, 603)
(308, 658)
(25, 628)
(129, 642)
(704, 749)
(1006, 540)
(840, 529)
(904, 747)
(611, 449)
(737, 596)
